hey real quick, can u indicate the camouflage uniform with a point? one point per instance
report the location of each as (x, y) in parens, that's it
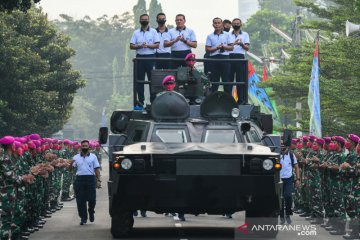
(8, 183)
(337, 193)
(325, 179)
(315, 191)
(296, 195)
(304, 189)
(351, 190)
(67, 176)
(20, 210)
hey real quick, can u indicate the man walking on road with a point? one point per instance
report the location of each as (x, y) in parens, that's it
(87, 180)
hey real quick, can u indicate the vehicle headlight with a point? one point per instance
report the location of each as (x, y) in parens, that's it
(268, 164)
(126, 164)
(235, 112)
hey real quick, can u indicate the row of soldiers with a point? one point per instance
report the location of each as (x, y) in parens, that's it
(329, 193)
(34, 176)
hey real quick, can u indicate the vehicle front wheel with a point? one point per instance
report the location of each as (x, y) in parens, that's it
(262, 218)
(122, 224)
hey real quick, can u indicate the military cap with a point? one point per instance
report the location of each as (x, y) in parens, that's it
(34, 136)
(327, 139)
(320, 141)
(7, 140)
(312, 138)
(353, 137)
(339, 139)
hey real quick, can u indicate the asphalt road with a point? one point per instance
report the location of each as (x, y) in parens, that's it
(64, 224)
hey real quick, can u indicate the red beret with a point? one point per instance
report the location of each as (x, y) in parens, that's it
(294, 140)
(305, 138)
(312, 138)
(327, 139)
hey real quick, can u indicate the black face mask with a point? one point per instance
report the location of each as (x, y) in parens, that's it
(84, 150)
(226, 29)
(144, 23)
(161, 22)
(236, 27)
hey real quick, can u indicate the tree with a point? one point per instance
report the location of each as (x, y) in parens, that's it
(138, 10)
(339, 71)
(285, 6)
(22, 5)
(37, 79)
(154, 9)
(258, 27)
(97, 43)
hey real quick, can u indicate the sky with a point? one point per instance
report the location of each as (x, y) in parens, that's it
(199, 13)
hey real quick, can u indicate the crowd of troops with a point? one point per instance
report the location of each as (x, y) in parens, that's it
(329, 193)
(35, 177)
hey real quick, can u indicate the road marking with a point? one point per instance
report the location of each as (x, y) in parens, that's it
(178, 225)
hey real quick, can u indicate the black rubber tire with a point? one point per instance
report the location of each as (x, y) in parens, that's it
(122, 224)
(262, 213)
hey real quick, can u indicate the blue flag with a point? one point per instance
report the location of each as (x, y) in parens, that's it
(314, 96)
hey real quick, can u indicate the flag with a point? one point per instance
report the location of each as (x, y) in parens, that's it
(314, 95)
(234, 93)
(265, 76)
(259, 96)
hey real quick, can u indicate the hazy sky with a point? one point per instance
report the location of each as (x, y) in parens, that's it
(198, 17)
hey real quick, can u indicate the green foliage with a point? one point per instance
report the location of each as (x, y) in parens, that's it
(258, 27)
(22, 5)
(339, 71)
(138, 10)
(38, 82)
(98, 43)
(154, 9)
(285, 6)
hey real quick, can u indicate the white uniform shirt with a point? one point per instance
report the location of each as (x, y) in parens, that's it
(244, 36)
(163, 36)
(150, 36)
(286, 170)
(213, 40)
(187, 33)
(85, 165)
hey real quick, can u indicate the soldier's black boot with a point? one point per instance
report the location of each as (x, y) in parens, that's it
(354, 234)
(330, 225)
(340, 228)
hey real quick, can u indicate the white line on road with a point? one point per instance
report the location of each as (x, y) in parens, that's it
(178, 225)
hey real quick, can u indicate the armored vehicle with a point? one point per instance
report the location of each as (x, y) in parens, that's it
(192, 155)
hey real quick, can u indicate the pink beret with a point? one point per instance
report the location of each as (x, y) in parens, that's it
(339, 139)
(7, 140)
(168, 78)
(190, 56)
(327, 139)
(354, 137)
(17, 144)
(305, 138)
(312, 138)
(294, 140)
(34, 136)
(32, 145)
(55, 141)
(67, 141)
(37, 143)
(320, 141)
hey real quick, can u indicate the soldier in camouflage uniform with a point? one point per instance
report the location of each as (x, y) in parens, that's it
(304, 189)
(338, 220)
(324, 175)
(67, 174)
(296, 149)
(351, 181)
(8, 184)
(315, 188)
